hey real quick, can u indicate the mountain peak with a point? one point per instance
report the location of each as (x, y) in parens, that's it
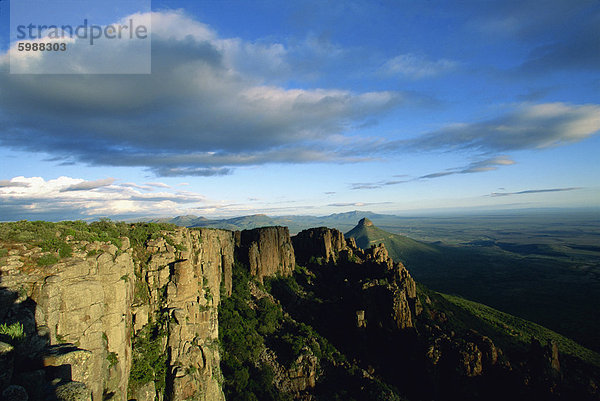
(365, 222)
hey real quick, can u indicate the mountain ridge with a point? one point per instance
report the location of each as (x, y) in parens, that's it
(400, 248)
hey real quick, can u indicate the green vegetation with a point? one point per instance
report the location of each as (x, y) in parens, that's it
(52, 236)
(14, 331)
(149, 359)
(56, 238)
(47, 260)
(522, 330)
(249, 326)
(141, 293)
(112, 359)
(241, 331)
(526, 280)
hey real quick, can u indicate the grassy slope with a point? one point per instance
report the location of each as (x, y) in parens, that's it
(540, 289)
(400, 248)
(521, 330)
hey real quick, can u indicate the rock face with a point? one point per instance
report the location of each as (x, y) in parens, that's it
(90, 318)
(82, 301)
(293, 380)
(267, 251)
(140, 321)
(184, 281)
(321, 242)
(326, 245)
(82, 316)
(365, 222)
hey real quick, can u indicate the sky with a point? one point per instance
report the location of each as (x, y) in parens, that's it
(311, 107)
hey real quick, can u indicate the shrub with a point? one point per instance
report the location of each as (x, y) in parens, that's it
(112, 359)
(149, 360)
(47, 260)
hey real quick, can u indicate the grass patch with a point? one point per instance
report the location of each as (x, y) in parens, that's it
(14, 331)
(56, 238)
(522, 330)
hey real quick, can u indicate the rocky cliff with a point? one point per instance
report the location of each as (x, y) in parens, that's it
(128, 322)
(266, 251)
(133, 314)
(76, 318)
(321, 242)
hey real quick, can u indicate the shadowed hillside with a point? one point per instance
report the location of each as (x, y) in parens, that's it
(536, 287)
(400, 247)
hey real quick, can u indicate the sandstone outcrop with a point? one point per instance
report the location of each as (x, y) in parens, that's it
(82, 301)
(267, 251)
(184, 283)
(90, 317)
(321, 242)
(139, 320)
(82, 316)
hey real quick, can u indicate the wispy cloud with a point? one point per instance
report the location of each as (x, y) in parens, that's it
(479, 166)
(533, 191)
(415, 66)
(192, 171)
(528, 127)
(89, 185)
(157, 184)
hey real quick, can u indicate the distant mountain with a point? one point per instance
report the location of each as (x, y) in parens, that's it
(400, 247)
(353, 216)
(242, 223)
(295, 223)
(182, 221)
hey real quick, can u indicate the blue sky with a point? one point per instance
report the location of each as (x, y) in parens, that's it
(314, 108)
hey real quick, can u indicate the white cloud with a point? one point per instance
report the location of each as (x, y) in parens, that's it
(76, 198)
(12, 184)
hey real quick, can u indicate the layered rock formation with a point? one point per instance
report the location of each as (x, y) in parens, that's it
(325, 245)
(81, 302)
(321, 242)
(90, 318)
(266, 251)
(184, 285)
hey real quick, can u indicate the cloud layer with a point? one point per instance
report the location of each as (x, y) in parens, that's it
(211, 104)
(34, 197)
(535, 126)
(202, 110)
